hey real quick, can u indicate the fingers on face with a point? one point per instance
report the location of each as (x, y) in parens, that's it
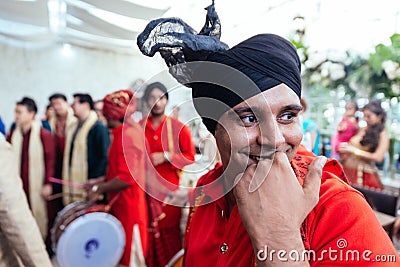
(244, 178)
(260, 174)
(256, 174)
(280, 169)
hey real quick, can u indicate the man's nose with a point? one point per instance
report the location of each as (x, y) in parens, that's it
(270, 134)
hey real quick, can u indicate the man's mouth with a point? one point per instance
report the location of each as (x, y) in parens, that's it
(261, 157)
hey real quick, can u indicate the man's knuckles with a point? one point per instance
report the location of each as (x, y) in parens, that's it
(315, 168)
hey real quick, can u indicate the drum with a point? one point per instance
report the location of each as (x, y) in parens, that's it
(86, 235)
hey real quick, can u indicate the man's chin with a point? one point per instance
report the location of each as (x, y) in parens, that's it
(157, 113)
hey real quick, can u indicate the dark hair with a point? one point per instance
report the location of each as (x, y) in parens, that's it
(57, 96)
(29, 103)
(371, 136)
(353, 103)
(151, 87)
(85, 98)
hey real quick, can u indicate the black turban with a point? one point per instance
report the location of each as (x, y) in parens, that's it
(251, 67)
(220, 78)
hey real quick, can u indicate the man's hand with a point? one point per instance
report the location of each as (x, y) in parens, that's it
(94, 193)
(158, 158)
(93, 181)
(93, 189)
(274, 212)
(47, 190)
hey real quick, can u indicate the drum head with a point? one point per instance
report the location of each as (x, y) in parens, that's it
(94, 239)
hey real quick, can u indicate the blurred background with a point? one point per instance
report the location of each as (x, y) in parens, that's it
(349, 50)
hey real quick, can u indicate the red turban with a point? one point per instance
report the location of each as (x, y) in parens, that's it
(119, 104)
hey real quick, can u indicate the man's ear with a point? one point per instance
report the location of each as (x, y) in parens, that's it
(219, 129)
(33, 114)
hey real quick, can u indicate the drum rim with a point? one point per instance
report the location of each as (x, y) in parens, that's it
(175, 258)
(60, 214)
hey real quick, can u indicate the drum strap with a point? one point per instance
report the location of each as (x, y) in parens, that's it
(111, 202)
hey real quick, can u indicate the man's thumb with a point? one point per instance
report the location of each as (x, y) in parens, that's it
(312, 180)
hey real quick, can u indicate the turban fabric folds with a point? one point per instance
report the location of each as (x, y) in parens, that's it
(249, 68)
(119, 104)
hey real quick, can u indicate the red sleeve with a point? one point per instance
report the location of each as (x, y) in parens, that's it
(49, 151)
(123, 170)
(184, 154)
(133, 151)
(343, 230)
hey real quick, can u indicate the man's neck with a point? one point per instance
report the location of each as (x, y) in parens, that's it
(62, 116)
(116, 124)
(84, 116)
(229, 196)
(26, 127)
(156, 120)
(231, 201)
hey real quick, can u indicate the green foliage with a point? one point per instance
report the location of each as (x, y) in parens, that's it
(384, 53)
(395, 39)
(376, 60)
(379, 73)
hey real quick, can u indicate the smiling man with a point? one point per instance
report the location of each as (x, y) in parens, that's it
(270, 202)
(280, 202)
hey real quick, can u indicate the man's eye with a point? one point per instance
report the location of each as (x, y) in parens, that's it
(249, 120)
(287, 117)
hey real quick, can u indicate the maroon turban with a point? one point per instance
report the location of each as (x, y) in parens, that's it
(119, 104)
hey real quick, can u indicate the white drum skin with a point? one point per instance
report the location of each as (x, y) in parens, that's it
(91, 239)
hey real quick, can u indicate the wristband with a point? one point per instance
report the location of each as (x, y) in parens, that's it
(357, 152)
(167, 156)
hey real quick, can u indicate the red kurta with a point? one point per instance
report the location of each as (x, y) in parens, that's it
(157, 141)
(342, 216)
(126, 161)
(164, 247)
